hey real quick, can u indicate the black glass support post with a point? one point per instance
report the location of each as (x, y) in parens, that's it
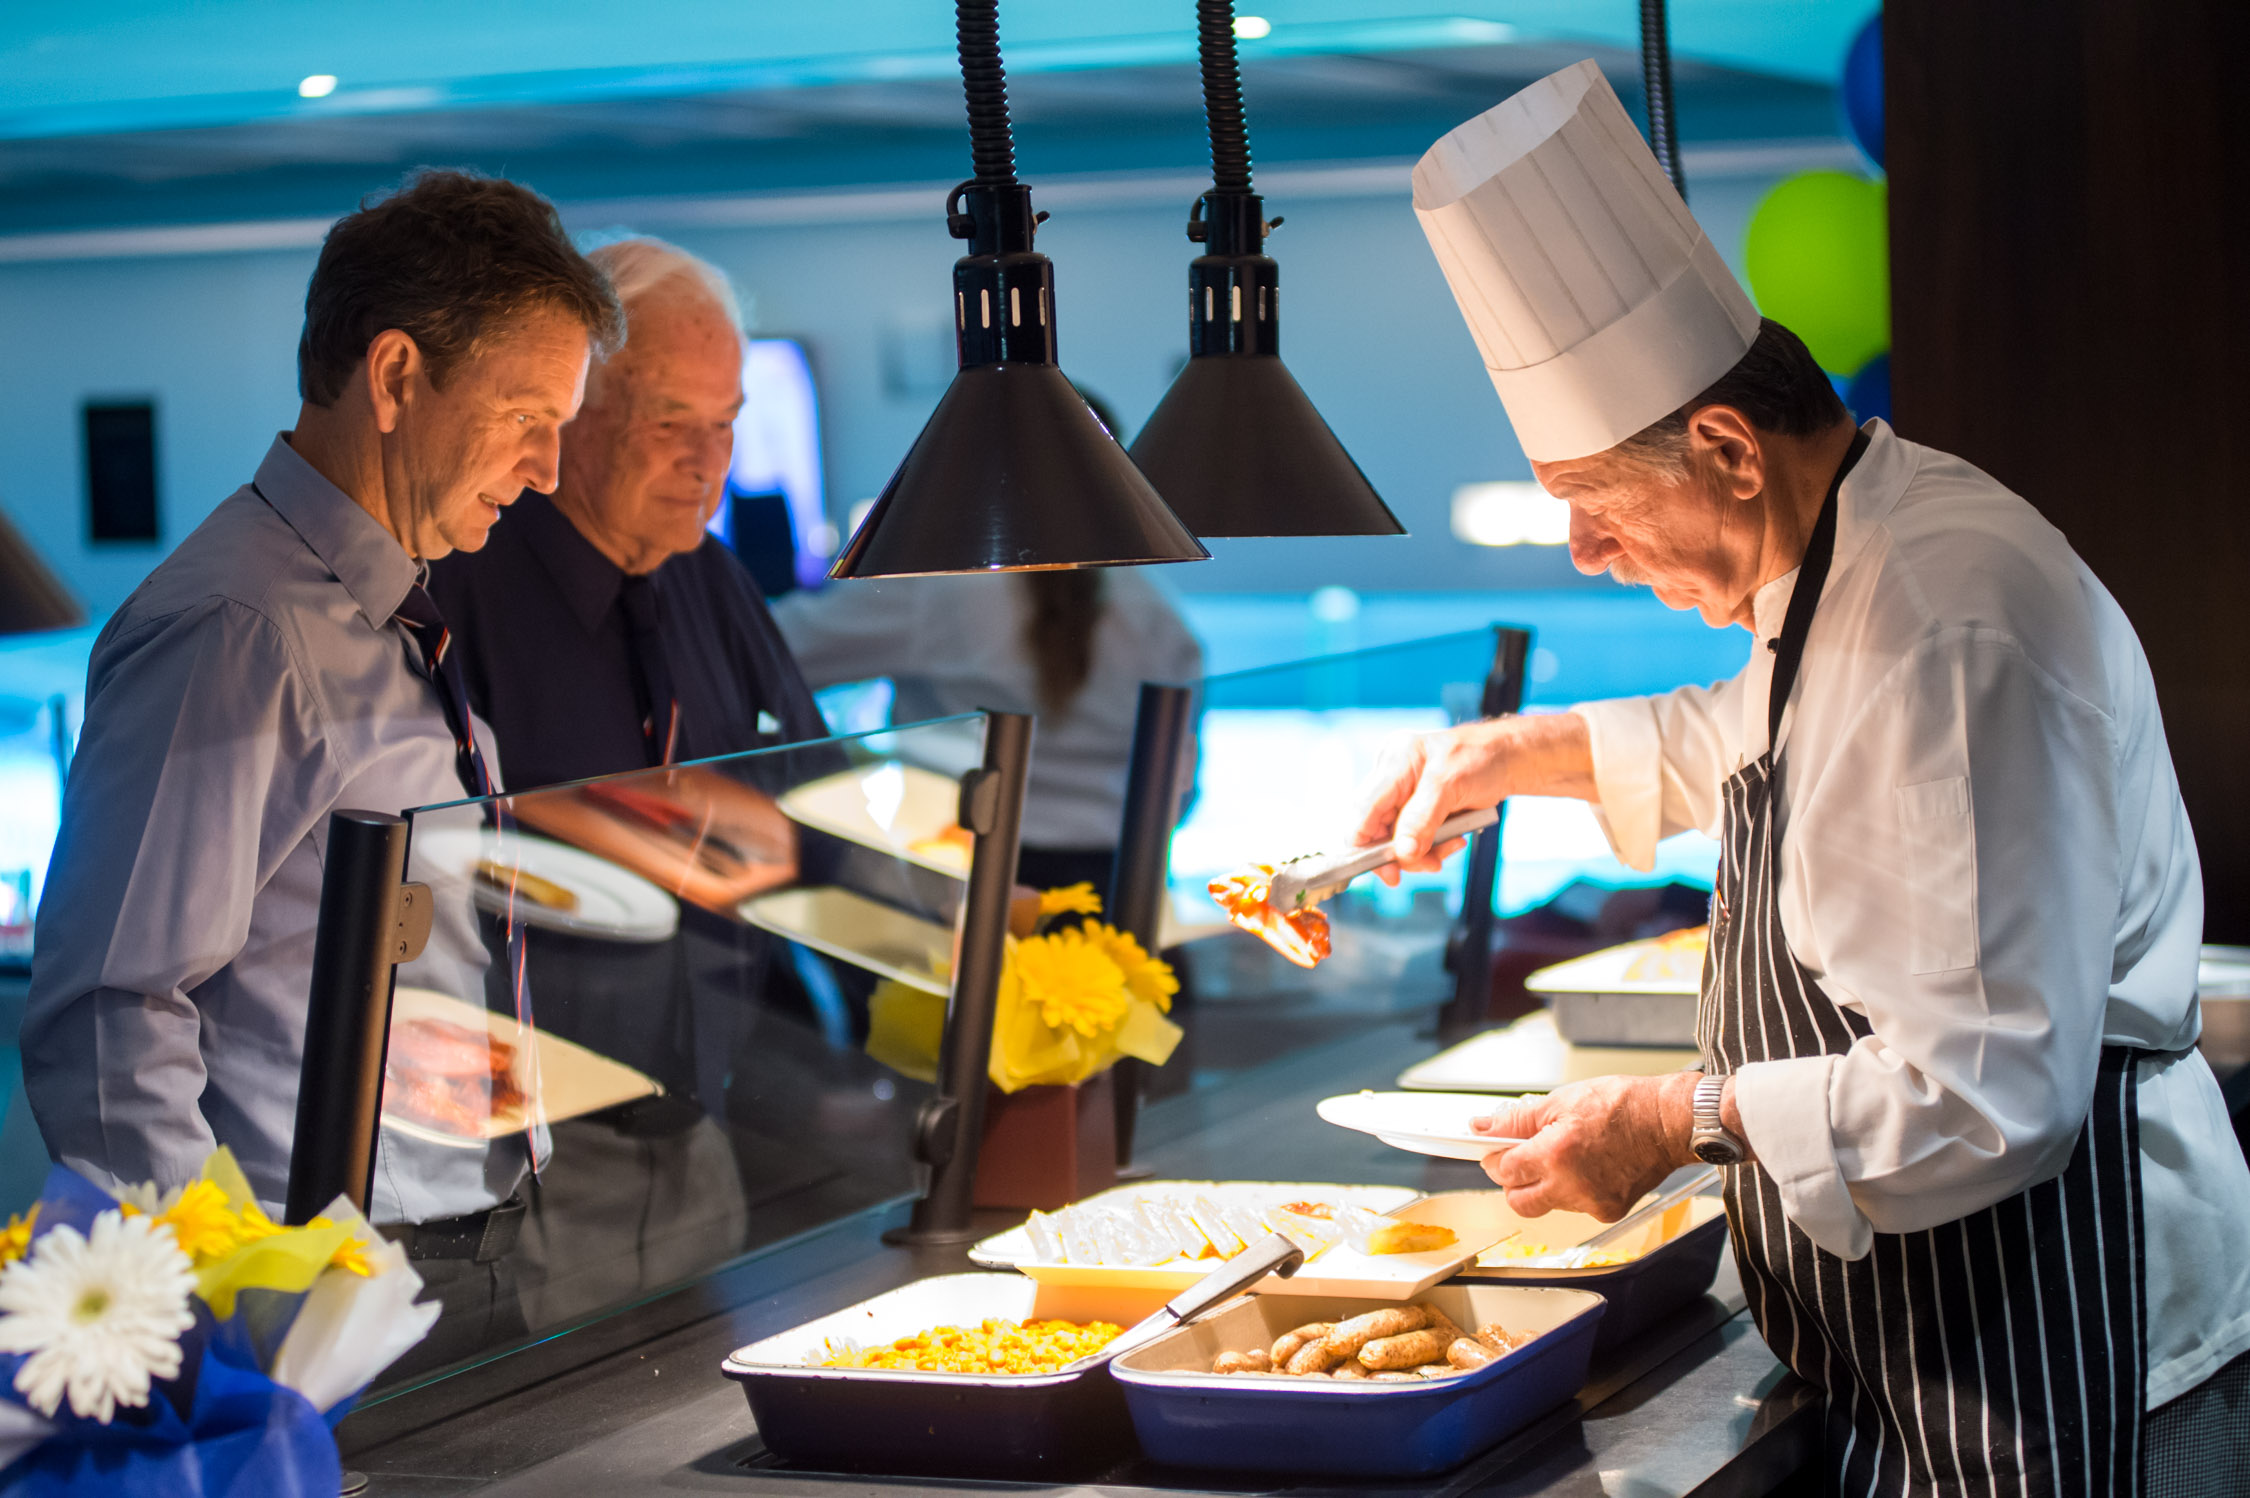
(1144, 854)
(952, 1122)
(1469, 953)
(347, 1024)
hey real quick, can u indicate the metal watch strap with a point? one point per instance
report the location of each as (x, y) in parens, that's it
(1711, 1140)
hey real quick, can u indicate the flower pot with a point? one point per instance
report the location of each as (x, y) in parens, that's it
(1046, 1147)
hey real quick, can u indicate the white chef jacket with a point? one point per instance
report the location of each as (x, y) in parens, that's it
(1985, 854)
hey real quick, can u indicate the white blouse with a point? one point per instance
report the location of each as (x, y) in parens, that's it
(1985, 854)
(955, 644)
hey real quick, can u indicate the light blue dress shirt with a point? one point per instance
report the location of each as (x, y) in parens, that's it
(254, 683)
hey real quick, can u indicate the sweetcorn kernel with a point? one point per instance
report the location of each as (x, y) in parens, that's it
(991, 1346)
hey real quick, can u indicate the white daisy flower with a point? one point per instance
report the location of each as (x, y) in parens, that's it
(100, 1316)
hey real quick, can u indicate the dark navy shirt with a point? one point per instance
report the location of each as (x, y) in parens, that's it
(548, 654)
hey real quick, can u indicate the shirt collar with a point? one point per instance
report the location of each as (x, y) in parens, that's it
(1869, 493)
(589, 580)
(351, 543)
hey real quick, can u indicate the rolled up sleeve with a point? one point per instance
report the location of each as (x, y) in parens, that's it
(1659, 762)
(1955, 866)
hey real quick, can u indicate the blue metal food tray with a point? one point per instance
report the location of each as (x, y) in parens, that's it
(1640, 1292)
(1186, 1416)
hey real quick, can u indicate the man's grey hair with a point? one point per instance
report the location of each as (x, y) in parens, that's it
(641, 264)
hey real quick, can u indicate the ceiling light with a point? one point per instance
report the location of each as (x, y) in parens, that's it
(1517, 513)
(1235, 447)
(1012, 473)
(317, 86)
(1252, 28)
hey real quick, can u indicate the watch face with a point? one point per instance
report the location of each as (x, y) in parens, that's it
(1716, 1152)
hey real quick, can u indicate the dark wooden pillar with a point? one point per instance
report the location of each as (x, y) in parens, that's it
(2070, 263)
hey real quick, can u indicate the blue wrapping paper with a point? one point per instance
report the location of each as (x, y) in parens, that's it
(220, 1428)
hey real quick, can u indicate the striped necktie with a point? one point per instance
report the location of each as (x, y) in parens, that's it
(419, 613)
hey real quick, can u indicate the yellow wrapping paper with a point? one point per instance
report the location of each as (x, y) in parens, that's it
(1070, 1004)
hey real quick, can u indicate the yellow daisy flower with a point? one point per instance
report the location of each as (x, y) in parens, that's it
(1074, 983)
(15, 1238)
(350, 1255)
(1071, 899)
(256, 1225)
(1149, 979)
(203, 1222)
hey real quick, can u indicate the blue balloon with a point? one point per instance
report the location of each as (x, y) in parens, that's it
(1870, 392)
(1862, 90)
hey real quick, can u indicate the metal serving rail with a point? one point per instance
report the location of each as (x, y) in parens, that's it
(634, 1402)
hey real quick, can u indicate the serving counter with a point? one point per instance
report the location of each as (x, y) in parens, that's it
(633, 1401)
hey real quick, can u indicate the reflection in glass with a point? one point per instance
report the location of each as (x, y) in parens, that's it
(632, 1051)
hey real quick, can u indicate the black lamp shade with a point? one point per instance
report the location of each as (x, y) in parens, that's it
(1237, 449)
(1013, 472)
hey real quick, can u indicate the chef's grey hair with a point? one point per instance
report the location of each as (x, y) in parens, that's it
(639, 265)
(1777, 385)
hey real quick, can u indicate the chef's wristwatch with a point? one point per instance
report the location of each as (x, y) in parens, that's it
(1712, 1142)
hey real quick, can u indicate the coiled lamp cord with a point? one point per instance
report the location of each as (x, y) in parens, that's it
(992, 143)
(1222, 96)
(1656, 88)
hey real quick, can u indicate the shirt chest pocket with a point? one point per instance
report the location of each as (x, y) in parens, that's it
(1941, 874)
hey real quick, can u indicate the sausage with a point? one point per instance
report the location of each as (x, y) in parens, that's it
(1408, 1350)
(1285, 1346)
(1466, 1353)
(1437, 1370)
(1254, 1361)
(1349, 1337)
(1497, 1337)
(1349, 1370)
(1315, 1357)
(1395, 1376)
(1440, 1322)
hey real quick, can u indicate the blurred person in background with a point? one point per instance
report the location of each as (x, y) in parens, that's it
(1071, 646)
(286, 661)
(608, 631)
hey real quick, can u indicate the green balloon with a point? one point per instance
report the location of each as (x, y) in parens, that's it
(1819, 256)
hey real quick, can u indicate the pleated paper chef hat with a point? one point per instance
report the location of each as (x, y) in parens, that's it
(1596, 299)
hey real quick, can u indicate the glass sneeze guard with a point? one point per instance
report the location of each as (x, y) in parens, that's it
(636, 1026)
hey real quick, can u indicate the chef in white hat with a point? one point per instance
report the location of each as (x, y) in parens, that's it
(1982, 1187)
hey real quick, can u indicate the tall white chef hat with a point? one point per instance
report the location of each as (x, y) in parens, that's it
(1593, 294)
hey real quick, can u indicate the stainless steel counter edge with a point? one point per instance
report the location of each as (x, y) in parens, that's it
(634, 1403)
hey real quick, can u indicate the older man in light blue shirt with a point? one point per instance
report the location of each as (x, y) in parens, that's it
(266, 675)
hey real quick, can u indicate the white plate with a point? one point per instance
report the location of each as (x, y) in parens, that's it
(614, 904)
(891, 806)
(563, 1079)
(1428, 1123)
(845, 924)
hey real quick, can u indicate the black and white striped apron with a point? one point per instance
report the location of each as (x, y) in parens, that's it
(2002, 1353)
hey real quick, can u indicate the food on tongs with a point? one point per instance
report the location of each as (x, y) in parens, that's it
(449, 1077)
(1299, 935)
(989, 1347)
(509, 879)
(1673, 958)
(1390, 1344)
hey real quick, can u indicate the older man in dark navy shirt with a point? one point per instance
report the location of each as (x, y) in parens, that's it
(605, 630)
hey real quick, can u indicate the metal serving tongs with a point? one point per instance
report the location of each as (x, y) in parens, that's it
(1309, 880)
(1274, 1254)
(1639, 1217)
